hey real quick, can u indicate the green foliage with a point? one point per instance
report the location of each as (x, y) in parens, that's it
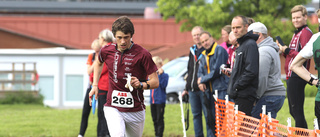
(21, 97)
(213, 16)
(310, 91)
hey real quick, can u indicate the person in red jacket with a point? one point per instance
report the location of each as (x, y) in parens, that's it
(105, 38)
(296, 85)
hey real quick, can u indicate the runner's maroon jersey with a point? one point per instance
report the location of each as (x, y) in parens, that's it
(135, 61)
(299, 39)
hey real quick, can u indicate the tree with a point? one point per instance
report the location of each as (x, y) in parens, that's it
(213, 16)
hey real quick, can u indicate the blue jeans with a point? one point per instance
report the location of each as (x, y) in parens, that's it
(197, 106)
(273, 105)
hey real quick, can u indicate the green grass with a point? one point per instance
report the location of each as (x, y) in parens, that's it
(38, 121)
(284, 113)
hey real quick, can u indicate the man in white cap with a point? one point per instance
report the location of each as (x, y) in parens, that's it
(271, 91)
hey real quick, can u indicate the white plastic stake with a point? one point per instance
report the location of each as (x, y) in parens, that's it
(227, 99)
(182, 116)
(264, 109)
(289, 122)
(269, 117)
(215, 96)
(316, 126)
(270, 120)
(315, 122)
(236, 109)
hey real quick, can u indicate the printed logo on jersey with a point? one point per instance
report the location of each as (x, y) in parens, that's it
(115, 67)
(127, 69)
(128, 59)
(130, 55)
(127, 63)
(295, 41)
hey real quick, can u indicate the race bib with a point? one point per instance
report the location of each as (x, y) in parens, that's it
(122, 99)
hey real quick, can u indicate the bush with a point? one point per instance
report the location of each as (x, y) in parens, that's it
(21, 97)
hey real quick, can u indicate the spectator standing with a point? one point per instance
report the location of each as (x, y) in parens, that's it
(225, 37)
(209, 76)
(231, 51)
(192, 88)
(243, 82)
(271, 91)
(158, 98)
(311, 49)
(105, 38)
(125, 107)
(296, 85)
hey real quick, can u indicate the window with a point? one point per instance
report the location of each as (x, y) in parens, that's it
(21, 86)
(46, 87)
(74, 87)
(4, 86)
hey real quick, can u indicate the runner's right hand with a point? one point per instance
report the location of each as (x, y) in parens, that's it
(94, 90)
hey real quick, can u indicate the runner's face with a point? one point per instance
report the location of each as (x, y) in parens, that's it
(298, 20)
(123, 40)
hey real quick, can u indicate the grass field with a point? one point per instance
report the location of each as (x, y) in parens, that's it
(39, 121)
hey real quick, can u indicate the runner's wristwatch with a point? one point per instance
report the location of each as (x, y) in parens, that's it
(313, 77)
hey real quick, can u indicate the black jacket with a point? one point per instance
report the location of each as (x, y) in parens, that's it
(245, 73)
(193, 65)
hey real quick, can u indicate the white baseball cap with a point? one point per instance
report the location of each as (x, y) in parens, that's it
(258, 27)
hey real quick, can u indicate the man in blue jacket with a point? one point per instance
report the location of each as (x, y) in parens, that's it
(244, 79)
(158, 98)
(210, 78)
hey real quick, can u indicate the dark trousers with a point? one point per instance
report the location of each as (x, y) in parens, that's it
(245, 104)
(85, 113)
(295, 94)
(102, 128)
(157, 112)
(317, 111)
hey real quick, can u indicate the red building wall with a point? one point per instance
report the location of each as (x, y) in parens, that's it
(79, 32)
